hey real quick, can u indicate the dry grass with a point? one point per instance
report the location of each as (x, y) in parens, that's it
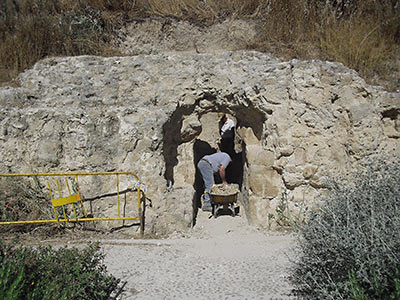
(365, 41)
(22, 200)
(358, 44)
(362, 34)
(204, 10)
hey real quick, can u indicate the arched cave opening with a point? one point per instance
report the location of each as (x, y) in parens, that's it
(202, 139)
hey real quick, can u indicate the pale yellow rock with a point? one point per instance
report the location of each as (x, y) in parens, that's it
(248, 136)
(264, 181)
(257, 155)
(309, 171)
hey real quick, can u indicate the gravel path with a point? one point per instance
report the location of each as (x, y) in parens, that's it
(222, 258)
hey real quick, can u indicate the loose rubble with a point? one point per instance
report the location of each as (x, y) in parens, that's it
(224, 189)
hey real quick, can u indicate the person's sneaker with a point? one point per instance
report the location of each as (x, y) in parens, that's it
(206, 207)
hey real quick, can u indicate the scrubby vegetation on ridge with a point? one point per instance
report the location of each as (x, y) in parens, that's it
(350, 246)
(362, 34)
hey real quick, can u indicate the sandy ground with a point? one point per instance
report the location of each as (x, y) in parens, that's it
(221, 258)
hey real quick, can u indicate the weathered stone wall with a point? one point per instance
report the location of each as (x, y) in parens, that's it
(297, 123)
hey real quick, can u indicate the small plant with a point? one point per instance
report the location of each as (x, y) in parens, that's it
(286, 217)
(350, 246)
(11, 282)
(283, 217)
(356, 291)
(44, 273)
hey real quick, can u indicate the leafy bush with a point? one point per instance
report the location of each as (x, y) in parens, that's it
(350, 246)
(44, 273)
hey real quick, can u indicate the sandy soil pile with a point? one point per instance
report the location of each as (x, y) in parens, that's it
(224, 189)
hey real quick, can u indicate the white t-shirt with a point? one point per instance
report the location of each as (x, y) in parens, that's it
(228, 125)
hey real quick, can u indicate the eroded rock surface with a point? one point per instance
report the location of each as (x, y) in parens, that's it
(156, 115)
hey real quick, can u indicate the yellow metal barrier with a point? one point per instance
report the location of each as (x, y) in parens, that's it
(76, 197)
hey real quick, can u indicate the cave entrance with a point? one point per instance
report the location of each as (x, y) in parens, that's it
(192, 133)
(234, 171)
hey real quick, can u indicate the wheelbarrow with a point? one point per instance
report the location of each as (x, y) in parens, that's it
(224, 202)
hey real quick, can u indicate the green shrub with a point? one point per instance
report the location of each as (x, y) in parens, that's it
(66, 273)
(350, 246)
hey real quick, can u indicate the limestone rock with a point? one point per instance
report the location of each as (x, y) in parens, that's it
(297, 122)
(191, 127)
(264, 181)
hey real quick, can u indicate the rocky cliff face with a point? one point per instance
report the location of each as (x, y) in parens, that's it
(298, 122)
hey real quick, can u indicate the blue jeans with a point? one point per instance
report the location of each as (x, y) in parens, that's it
(208, 178)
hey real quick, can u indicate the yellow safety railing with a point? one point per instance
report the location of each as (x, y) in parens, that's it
(76, 197)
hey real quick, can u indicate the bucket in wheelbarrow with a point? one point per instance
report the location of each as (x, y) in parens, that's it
(224, 198)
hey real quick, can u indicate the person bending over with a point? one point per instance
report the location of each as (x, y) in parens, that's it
(208, 166)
